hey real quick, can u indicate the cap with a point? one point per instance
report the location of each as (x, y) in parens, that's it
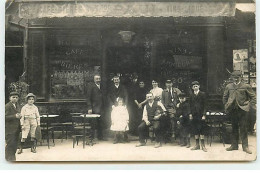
(236, 73)
(195, 83)
(31, 95)
(168, 81)
(14, 93)
(182, 95)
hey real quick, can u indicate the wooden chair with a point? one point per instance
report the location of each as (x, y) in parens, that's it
(81, 130)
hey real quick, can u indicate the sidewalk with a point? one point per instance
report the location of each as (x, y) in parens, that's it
(107, 151)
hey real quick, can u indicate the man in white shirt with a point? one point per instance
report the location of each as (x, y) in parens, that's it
(152, 114)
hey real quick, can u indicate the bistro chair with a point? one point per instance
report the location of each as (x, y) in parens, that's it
(46, 129)
(81, 130)
(215, 123)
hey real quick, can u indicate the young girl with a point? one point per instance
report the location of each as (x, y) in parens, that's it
(119, 120)
(30, 119)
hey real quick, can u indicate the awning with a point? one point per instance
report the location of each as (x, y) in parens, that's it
(30, 10)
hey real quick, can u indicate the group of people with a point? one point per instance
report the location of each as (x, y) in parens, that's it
(186, 113)
(164, 111)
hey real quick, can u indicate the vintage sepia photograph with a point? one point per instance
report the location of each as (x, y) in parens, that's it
(130, 80)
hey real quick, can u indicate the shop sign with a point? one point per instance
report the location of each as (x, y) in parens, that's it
(31, 10)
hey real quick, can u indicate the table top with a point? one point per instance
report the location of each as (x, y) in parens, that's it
(49, 116)
(90, 115)
(215, 113)
(76, 113)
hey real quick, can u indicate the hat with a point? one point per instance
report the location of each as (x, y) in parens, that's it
(195, 83)
(168, 81)
(181, 95)
(236, 73)
(31, 95)
(14, 93)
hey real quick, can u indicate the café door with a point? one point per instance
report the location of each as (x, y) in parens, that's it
(127, 61)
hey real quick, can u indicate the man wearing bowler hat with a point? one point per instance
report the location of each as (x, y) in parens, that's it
(12, 126)
(237, 99)
(170, 100)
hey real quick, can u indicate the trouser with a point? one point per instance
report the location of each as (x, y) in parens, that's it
(239, 121)
(143, 128)
(11, 145)
(198, 126)
(29, 126)
(171, 113)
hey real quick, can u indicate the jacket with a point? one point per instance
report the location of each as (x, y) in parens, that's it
(12, 124)
(198, 104)
(95, 100)
(114, 93)
(167, 98)
(241, 94)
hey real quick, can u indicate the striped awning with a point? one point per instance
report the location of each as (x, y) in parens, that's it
(30, 10)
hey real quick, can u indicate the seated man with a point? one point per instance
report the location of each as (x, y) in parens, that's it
(151, 118)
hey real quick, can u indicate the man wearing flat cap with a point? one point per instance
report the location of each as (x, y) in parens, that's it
(198, 105)
(12, 126)
(237, 99)
(170, 100)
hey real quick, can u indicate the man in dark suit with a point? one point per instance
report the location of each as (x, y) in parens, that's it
(95, 104)
(198, 110)
(12, 126)
(115, 91)
(237, 99)
(170, 100)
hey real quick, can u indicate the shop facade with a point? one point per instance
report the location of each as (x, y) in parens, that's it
(64, 47)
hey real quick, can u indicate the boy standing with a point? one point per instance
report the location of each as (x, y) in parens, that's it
(198, 111)
(184, 115)
(12, 126)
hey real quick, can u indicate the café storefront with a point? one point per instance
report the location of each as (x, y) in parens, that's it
(67, 42)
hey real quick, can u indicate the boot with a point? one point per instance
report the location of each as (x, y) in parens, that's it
(126, 137)
(183, 143)
(246, 149)
(197, 146)
(231, 148)
(116, 140)
(20, 151)
(33, 146)
(157, 145)
(203, 145)
(188, 143)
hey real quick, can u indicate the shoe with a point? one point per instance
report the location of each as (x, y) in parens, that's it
(231, 148)
(247, 150)
(157, 145)
(196, 147)
(115, 142)
(188, 145)
(33, 147)
(20, 151)
(140, 145)
(204, 148)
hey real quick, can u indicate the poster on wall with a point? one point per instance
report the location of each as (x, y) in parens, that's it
(240, 60)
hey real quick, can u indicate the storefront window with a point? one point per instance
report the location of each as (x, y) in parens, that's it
(74, 60)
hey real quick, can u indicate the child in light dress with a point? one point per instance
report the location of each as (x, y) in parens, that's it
(119, 121)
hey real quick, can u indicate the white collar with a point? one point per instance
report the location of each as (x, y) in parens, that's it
(196, 92)
(116, 85)
(237, 83)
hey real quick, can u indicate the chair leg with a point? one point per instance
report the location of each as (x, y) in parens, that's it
(62, 134)
(53, 138)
